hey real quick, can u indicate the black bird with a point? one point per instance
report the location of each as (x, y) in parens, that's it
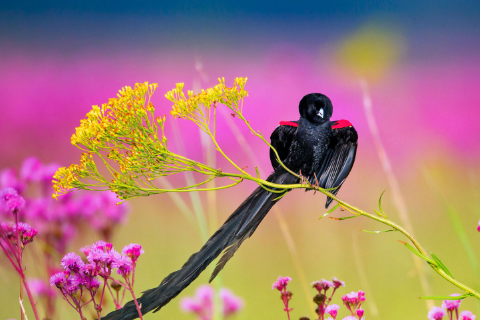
(321, 150)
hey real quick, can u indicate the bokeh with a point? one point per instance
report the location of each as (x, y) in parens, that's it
(421, 68)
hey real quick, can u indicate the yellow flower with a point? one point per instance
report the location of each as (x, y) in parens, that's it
(184, 107)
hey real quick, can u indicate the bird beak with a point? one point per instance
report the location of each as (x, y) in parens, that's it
(320, 113)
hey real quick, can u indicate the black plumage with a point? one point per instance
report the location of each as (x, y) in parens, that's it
(320, 149)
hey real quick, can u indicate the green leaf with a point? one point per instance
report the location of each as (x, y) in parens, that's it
(463, 296)
(379, 214)
(380, 204)
(329, 211)
(345, 218)
(378, 231)
(409, 247)
(441, 265)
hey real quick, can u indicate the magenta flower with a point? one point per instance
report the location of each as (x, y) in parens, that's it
(361, 296)
(58, 279)
(11, 201)
(281, 283)
(451, 305)
(133, 251)
(92, 283)
(322, 285)
(337, 283)
(201, 304)
(96, 255)
(332, 310)
(73, 283)
(31, 169)
(231, 303)
(110, 257)
(39, 288)
(102, 245)
(85, 250)
(436, 313)
(467, 315)
(71, 261)
(123, 265)
(350, 299)
(360, 313)
(26, 232)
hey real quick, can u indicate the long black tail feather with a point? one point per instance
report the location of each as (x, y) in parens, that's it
(239, 226)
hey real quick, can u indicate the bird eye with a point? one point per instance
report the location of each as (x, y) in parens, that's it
(320, 112)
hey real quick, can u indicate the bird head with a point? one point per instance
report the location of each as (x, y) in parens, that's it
(316, 108)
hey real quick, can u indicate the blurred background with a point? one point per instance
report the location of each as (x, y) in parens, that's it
(419, 60)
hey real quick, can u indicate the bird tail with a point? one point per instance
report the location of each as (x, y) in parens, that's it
(239, 226)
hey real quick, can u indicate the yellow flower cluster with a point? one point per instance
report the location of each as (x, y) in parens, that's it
(66, 179)
(120, 127)
(111, 119)
(187, 107)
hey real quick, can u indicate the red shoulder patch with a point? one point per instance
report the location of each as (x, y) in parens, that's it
(288, 123)
(341, 124)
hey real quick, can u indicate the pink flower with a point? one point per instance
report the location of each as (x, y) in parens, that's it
(360, 313)
(38, 287)
(467, 315)
(350, 299)
(281, 283)
(71, 261)
(322, 285)
(133, 251)
(85, 250)
(231, 303)
(361, 296)
(96, 255)
(451, 305)
(201, 304)
(92, 283)
(26, 232)
(31, 169)
(102, 245)
(436, 313)
(58, 279)
(337, 283)
(73, 283)
(110, 257)
(332, 310)
(11, 201)
(478, 228)
(124, 266)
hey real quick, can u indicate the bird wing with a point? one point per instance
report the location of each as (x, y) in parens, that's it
(339, 158)
(281, 139)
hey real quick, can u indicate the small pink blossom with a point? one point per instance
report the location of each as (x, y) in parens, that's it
(231, 303)
(281, 283)
(96, 255)
(133, 251)
(451, 305)
(467, 315)
(322, 285)
(478, 228)
(85, 250)
(201, 304)
(92, 283)
(26, 232)
(351, 298)
(58, 279)
(123, 265)
(39, 288)
(360, 313)
(332, 310)
(110, 257)
(31, 169)
(436, 313)
(337, 283)
(71, 261)
(11, 201)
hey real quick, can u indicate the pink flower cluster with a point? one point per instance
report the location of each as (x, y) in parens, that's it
(202, 303)
(281, 285)
(57, 221)
(80, 277)
(450, 307)
(323, 298)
